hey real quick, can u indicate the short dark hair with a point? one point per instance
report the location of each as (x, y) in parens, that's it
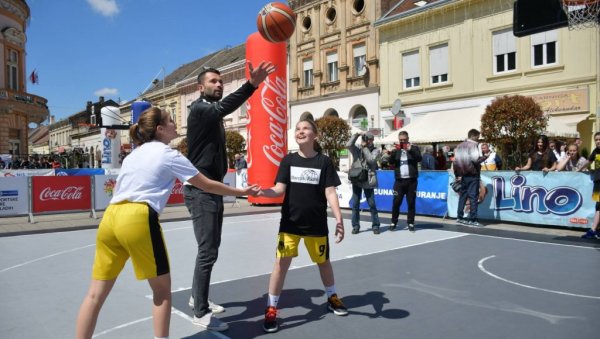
(473, 133)
(207, 70)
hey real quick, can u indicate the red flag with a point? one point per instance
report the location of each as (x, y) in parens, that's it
(34, 77)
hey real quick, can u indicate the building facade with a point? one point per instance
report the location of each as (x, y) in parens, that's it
(334, 62)
(18, 108)
(447, 60)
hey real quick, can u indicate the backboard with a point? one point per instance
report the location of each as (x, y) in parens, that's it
(536, 16)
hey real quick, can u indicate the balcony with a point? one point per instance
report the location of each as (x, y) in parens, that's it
(35, 107)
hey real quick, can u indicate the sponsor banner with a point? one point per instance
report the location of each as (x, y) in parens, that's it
(111, 141)
(344, 191)
(241, 178)
(104, 186)
(432, 191)
(176, 196)
(229, 180)
(267, 116)
(51, 194)
(111, 171)
(26, 173)
(555, 198)
(14, 196)
(78, 171)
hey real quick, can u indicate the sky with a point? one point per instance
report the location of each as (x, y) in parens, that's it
(83, 49)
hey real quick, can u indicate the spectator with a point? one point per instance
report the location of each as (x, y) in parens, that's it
(558, 148)
(594, 159)
(240, 162)
(492, 161)
(364, 157)
(384, 161)
(405, 158)
(440, 161)
(467, 169)
(428, 160)
(573, 161)
(541, 158)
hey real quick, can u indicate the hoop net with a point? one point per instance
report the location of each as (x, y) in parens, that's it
(581, 13)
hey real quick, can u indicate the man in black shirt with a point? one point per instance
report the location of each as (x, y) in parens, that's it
(206, 150)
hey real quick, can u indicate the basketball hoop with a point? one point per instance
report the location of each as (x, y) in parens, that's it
(581, 13)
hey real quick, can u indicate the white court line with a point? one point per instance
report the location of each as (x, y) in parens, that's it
(480, 265)
(94, 244)
(531, 241)
(45, 257)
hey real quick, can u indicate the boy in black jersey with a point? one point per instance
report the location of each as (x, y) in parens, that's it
(308, 179)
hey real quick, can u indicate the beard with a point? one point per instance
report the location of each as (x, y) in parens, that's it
(212, 96)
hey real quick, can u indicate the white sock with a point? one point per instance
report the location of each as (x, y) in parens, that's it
(330, 290)
(273, 300)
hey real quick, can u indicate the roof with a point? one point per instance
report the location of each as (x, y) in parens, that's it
(216, 60)
(408, 7)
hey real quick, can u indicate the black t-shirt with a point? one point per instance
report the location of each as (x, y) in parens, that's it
(594, 158)
(537, 160)
(304, 210)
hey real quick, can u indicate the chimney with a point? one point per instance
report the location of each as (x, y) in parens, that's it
(51, 119)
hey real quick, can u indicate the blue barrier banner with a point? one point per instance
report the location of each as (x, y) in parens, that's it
(432, 189)
(79, 171)
(555, 198)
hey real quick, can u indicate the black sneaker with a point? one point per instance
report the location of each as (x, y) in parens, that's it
(355, 230)
(589, 234)
(335, 305)
(375, 230)
(461, 221)
(411, 227)
(270, 325)
(392, 227)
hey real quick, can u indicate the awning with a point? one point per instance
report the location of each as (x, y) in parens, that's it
(564, 125)
(440, 126)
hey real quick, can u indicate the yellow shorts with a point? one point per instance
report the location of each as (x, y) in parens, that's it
(131, 230)
(317, 247)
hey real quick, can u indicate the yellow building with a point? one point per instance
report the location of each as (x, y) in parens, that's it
(18, 108)
(447, 60)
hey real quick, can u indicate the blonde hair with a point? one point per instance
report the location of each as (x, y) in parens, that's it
(145, 129)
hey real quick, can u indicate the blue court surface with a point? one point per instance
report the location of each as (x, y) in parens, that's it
(439, 282)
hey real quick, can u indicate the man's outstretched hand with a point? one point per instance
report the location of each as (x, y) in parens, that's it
(259, 74)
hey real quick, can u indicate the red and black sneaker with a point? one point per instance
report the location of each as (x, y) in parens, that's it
(270, 325)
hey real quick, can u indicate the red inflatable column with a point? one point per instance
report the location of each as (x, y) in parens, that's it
(267, 113)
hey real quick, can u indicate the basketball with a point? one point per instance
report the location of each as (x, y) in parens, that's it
(276, 22)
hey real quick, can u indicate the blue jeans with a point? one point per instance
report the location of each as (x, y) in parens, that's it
(206, 211)
(370, 195)
(469, 190)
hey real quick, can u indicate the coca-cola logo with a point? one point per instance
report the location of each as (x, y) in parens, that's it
(68, 193)
(177, 189)
(273, 100)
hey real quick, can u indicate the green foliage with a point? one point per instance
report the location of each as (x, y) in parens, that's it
(334, 133)
(512, 124)
(235, 143)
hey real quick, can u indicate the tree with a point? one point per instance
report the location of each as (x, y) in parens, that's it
(513, 124)
(334, 133)
(235, 144)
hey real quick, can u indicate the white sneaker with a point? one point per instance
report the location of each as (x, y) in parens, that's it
(210, 322)
(214, 308)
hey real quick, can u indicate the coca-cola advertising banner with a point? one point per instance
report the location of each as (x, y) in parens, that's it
(176, 196)
(51, 194)
(14, 195)
(267, 115)
(104, 187)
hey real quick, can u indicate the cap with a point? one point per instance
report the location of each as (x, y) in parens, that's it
(369, 136)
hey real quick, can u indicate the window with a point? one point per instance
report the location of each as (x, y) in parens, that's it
(438, 64)
(332, 67)
(360, 59)
(505, 51)
(411, 70)
(543, 48)
(307, 66)
(12, 69)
